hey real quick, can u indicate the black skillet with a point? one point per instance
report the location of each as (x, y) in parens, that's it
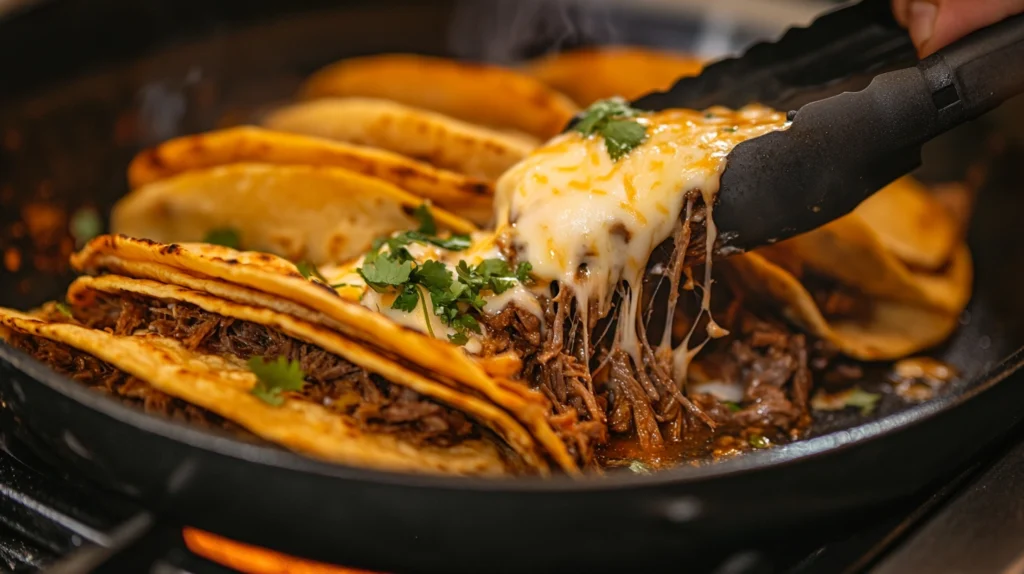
(85, 84)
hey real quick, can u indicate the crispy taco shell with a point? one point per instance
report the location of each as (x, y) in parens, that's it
(885, 329)
(223, 386)
(487, 95)
(922, 264)
(458, 193)
(441, 141)
(264, 273)
(592, 74)
(318, 214)
(83, 293)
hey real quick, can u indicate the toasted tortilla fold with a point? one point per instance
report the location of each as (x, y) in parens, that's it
(458, 193)
(591, 74)
(911, 224)
(439, 140)
(864, 254)
(891, 329)
(223, 386)
(478, 93)
(83, 291)
(270, 275)
(317, 214)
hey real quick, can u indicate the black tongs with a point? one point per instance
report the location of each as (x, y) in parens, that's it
(842, 145)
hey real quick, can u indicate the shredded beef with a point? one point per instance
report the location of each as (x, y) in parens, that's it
(108, 379)
(375, 403)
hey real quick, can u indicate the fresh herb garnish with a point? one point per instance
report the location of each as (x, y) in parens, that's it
(274, 377)
(65, 309)
(758, 441)
(381, 271)
(310, 272)
(732, 406)
(639, 467)
(225, 237)
(612, 120)
(426, 219)
(862, 399)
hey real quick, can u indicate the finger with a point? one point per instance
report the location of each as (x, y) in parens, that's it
(901, 9)
(934, 24)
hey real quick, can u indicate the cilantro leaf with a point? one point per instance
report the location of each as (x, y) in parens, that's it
(453, 243)
(310, 271)
(426, 219)
(65, 309)
(381, 272)
(458, 338)
(759, 441)
(407, 299)
(274, 377)
(612, 119)
(622, 137)
(862, 399)
(225, 237)
(433, 275)
(523, 271)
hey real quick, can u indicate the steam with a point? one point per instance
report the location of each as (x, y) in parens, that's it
(509, 31)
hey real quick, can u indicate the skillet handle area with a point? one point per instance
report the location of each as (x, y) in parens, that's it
(840, 150)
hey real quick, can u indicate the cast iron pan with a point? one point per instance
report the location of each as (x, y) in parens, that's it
(86, 84)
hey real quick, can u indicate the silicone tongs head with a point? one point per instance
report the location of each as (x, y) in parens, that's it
(842, 145)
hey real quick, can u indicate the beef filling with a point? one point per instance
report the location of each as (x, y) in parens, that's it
(375, 403)
(110, 380)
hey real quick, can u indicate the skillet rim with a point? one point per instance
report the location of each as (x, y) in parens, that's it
(747, 463)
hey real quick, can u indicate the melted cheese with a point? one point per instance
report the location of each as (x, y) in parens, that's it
(591, 223)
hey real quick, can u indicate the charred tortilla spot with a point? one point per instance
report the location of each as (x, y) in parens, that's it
(171, 249)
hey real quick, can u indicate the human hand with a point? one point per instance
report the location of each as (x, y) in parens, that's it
(933, 24)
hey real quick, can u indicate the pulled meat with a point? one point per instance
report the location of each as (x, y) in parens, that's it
(378, 405)
(110, 380)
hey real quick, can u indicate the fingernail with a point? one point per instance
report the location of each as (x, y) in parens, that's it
(922, 21)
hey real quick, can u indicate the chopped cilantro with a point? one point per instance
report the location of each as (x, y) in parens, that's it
(64, 309)
(862, 399)
(381, 272)
(758, 441)
(639, 467)
(426, 219)
(225, 237)
(613, 120)
(310, 272)
(733, 407)
(407, 299)
(274, 377)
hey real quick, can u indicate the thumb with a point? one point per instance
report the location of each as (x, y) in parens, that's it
(934, 24)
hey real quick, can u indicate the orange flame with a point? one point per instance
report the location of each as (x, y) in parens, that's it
(252, 559)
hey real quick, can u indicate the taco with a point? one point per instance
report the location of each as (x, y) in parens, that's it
(486, 95)
(458, 193)
(591, 74)
(921, 261)
(279, 285)
(875, 288)
(426, 136)
(214, 388)
(312, 213)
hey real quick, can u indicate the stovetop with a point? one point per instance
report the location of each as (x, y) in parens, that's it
(973, 523)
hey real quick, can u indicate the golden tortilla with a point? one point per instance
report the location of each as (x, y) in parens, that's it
(466, 196)
(318, 214)
(223, 387)
(477, 93)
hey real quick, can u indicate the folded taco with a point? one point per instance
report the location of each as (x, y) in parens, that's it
(482, 94)
(301, 212)
(169, 375)
(458, 193)
(444, 142)
(245, 277)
